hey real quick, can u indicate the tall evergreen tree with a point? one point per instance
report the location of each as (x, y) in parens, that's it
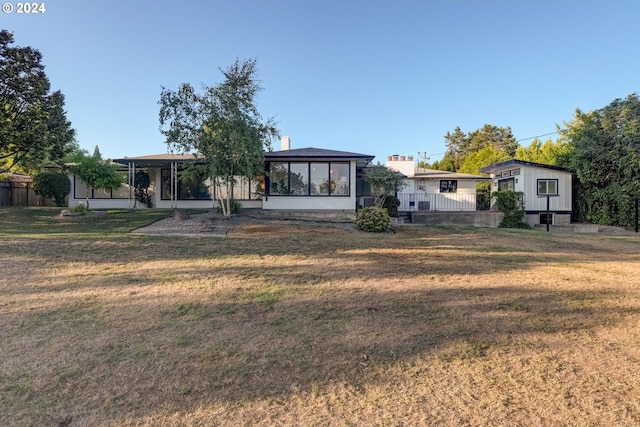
(34, 129)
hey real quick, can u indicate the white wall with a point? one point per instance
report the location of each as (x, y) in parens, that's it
(534, 203)
(405, 167)
(463, 200)
(527, 182)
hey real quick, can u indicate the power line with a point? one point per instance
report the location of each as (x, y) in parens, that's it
(537, 136)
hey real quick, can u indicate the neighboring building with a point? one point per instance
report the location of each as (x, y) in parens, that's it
(541, 184)
(434, 190)
(300, 179)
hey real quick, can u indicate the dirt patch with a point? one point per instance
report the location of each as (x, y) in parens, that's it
(213, 224)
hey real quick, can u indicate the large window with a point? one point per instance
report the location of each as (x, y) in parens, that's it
(299, 179)
(448, 186)
(191, 188)
(547, 187)
(506, 185)
(340, 179)
(279, 179)
(243, 189)
(309, 179)
(80, 190)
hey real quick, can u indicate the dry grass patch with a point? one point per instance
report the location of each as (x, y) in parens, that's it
(293, 325)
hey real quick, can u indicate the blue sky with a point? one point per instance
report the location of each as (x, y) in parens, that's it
(378, 77)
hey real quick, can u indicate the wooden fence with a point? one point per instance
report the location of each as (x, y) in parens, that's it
(20, 193)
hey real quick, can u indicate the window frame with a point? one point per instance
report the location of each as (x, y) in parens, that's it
(330, 190)
(179, 187)
(103, 194)
(448, 186)
(546, 181)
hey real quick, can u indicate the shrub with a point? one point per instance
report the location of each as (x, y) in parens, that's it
(511, 203)
(52, 184)
(374, 219)
(235, 207)
(391, 203)
(81, 209)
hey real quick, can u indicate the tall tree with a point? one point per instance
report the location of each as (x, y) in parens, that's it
(222, 125)
(548, 153)
(461, 145)
(33, 126)
(606, 157)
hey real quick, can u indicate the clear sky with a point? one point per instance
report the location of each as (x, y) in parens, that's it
(377, 77)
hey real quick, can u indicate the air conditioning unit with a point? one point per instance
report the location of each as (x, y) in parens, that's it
(424, 205)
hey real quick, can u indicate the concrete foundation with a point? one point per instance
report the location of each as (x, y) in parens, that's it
(471, 219)
(315, 215)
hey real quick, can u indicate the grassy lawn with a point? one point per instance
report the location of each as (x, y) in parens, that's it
(292, 325)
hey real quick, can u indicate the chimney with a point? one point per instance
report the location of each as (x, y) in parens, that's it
(285, 143)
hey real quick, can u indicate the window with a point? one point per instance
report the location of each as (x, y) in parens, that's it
(339, 179)
(299, 175)
(309, 179)
(279, 179)
(547, 187)
(319, 179)
(506, 185)
(191, 188)
(448, 186)
(80, 190)
(546, 219)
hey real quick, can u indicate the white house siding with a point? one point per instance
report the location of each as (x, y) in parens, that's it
(526, 181)
(418, 191)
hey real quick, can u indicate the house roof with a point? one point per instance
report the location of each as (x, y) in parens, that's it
(317, 154)
(423, 173)
(159, 160)
(513, 162)
(156, 160)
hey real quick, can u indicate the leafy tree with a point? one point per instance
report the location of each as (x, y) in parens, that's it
(52, 184)
(96, 173)
(606, 157)
(384, 182)
(222, 125)
(486, 156)
(461, 145)
(547, 153)
(33, 126)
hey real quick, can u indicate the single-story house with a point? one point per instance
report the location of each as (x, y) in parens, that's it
(434, 190)
(544, 187)
(298, 179)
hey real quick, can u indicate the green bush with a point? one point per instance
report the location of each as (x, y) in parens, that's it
(236, 207)
(392, 203)
(374, 219)
(52, 184)
(511, 203)
(81, 209)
